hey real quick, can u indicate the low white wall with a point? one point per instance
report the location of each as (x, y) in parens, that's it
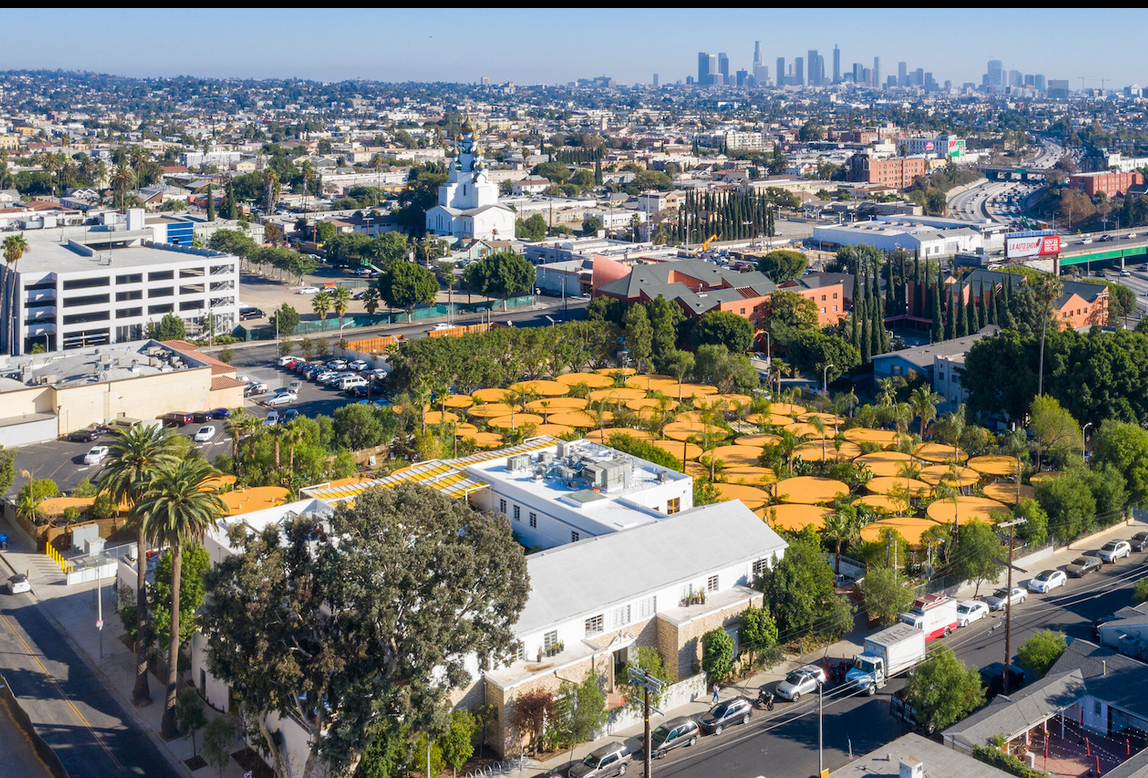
(104, 572)
(675, 696)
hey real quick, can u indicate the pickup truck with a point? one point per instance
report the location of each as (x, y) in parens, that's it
(889, 652)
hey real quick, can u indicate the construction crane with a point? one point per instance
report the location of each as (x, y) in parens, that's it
(707, 243)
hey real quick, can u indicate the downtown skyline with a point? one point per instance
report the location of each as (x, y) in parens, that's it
(629, 46)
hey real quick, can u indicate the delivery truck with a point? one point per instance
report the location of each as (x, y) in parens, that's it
(886, 654)
(933, 614)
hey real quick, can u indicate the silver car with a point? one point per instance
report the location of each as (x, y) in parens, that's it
(803, 680)
(1114, 550)
(1002, 597)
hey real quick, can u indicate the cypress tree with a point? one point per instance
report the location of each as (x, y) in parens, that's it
(971, 313)
(982, 308)
(961, 311)
(210, 204)
(950, 318)
(854, 331)
(902, 284)
(937, 331)
(877, 325)
(994, 317)
(866, 338)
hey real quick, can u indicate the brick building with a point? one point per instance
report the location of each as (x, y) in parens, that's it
(1111, 184)
(895, 171)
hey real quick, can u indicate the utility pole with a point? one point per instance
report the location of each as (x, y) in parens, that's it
(1012, 525)
(640, 677)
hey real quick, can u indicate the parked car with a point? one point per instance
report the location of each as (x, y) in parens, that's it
(736, 710)
(1047, 580)
(18, 584)
(992, 676)
(83, 436)
(286, 361)
(1002, 597)
(271, 419)
(358, 364)
(970, 611)
(337, 364)
(1082, 566)
(323, 376)
(803, 680)
(308, 290)
(295, 386)
(95, 455)
(201, 417)
(204, 434)
(221, 413)
(290, 415)
(282, 398)
(1139, 541)
(350, 382)
(250, 313)
(675, 733)
(177, 418)
(1114, 550)
(603, 762)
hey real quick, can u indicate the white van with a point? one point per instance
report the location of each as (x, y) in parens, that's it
(350, 382)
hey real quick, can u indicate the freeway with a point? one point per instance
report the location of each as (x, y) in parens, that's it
(988, 200)
(783, 743)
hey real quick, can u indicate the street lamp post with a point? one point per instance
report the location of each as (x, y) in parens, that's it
(825, 379)
(1084, 441)
(820, 739)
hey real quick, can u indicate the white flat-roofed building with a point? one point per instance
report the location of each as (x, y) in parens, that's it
(85, 286)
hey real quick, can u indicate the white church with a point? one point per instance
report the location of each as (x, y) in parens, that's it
(468, 201)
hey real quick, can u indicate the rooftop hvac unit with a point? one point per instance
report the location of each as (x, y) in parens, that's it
(545, 457)
(518, 462)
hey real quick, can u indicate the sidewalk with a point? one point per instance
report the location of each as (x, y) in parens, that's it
(73, 610)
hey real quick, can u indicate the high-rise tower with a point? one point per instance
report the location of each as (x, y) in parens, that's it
(836, 64)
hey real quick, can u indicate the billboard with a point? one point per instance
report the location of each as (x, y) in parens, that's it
(1032, 246)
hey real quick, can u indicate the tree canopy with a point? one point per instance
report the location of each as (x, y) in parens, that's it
(405, 285)
(375, 617)
(504, 274)
(726, 328)
(800, 592)
(943, 689)
(783, 265)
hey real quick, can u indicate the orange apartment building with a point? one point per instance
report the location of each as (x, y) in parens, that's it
(899, 172)
(1111, 184)
(1079, 305)
(700, 287)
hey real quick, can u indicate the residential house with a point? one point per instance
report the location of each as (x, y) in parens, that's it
(941, 364)
(530, 185)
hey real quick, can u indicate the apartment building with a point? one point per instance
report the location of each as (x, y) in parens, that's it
(897, 172)
(84, 286)
(1111, 184)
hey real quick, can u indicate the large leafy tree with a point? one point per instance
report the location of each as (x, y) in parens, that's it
(799, 592)
(782, 265)
(943, 689)
(1040, 652)
(180, 506)
(978, 549)
(376, 616)
(504, 274)
(1124, 447)
(1057, 433)
(884, 594)
(724, 327)
(135, 455)
(405, 285)
(785, 309)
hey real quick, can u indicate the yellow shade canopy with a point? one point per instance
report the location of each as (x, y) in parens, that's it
(967, 509)
(794, 517)
(582, 419)
(734, 456)
(786, 409)
(491, 410)
(760, 439)
(603, 435)
(911, 528)
(747, 475)
(458, 401)
(679, 450)
(882, 503)
(515, 421)
(616, 395)
(1047, 475)
(487, 439)
(540, 387)
(818, 450)
(750, 496)
(439, 417)
(692, 390)
(553, 430)
(652, 403)
(255, 498)
(1005, 492)
(728, 401)
(609, 371)
(866, 435)
(492, 395)
(557, 404)
(828, 419)
(939, 452)
(805, 430)
(465, 431)
(994, 464)
(886, 484)
(592, 380)
(949, 474)
(649, 382)
(683, 430)
(883, 463)
(809, 489)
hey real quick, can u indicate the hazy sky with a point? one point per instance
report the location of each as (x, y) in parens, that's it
(544, 46)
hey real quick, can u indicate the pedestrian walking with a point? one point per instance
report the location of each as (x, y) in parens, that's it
(715, 693)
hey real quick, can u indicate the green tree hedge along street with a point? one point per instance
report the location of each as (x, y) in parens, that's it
(299, 611)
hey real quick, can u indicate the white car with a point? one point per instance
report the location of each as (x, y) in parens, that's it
(18, 584)
(1110, 551)
(970, 611)
(308, 290)
(283, 398)
(1047, 580)
(95, 455)
(358, 364)
(271, 419)
(204, 434)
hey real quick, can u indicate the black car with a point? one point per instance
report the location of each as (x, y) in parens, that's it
(83, 436)
(201, 417)
(675, 733)
(1139, 541)
(1083, 565)
(736, 710)
(250, 313)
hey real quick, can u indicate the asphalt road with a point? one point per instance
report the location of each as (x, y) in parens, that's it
(783, 743)
(79, 720)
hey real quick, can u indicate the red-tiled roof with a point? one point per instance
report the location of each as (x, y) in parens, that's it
(225, 382)
(217, 367)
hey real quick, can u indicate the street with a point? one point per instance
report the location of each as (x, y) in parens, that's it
(783, 743)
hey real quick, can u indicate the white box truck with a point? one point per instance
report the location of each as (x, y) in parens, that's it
(889, 652)
(933, 614)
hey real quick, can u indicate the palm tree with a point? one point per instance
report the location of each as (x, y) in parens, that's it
(371, 299)
(14, 248)
(307, 168)
(818, 425)
(924, 402)
(135, 455)
(888, 395)
(238, 426)
(841, 528)
(293, 438)
(122, 181)
(951, 427)
(1015, 444)
(1047, 289)
(321, 304)
(341, 301)
(247, 426)
(278, 434)
(50, 162)
(137, 155)
(180, 506)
